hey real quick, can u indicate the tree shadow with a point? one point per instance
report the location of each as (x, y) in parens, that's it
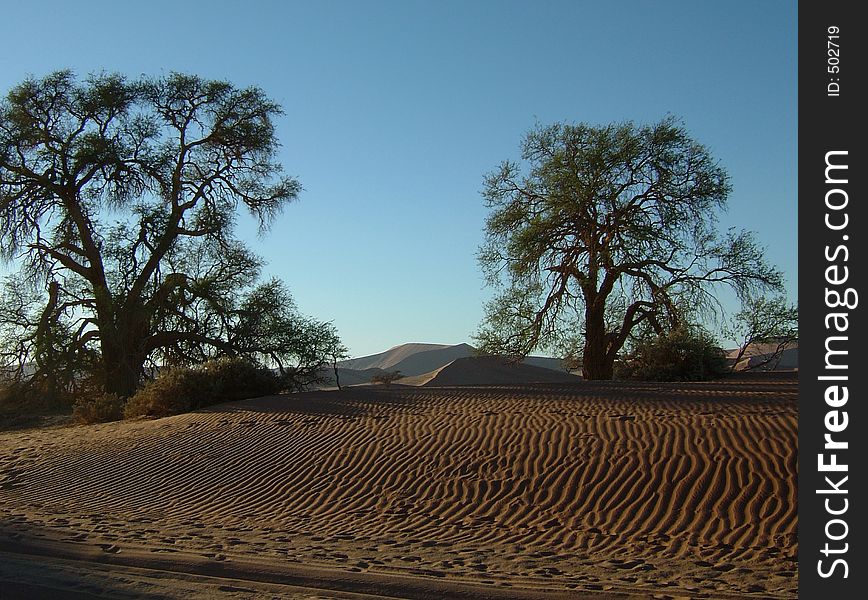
(349, 402)
(34, 564)
(366, 400)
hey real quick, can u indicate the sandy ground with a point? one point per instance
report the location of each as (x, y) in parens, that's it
(599, 490)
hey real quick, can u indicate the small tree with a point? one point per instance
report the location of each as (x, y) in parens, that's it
(386, 379)
(336, 353)
(771, 322)
(605, 231)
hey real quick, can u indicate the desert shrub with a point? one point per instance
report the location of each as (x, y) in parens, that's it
(10, 393)
(386, 378)
(173, 391)
(182, 389)
(16, 412)
(36, 401)
(237, 379)
(98, 408)
(37, 394)
(684, 354)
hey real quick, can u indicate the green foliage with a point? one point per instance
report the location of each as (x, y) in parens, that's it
(98, 408)
(683, 354)
(603, 230)
(269, 329)
(118, 200)
(182, 389)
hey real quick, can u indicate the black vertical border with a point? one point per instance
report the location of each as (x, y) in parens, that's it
(831, 123)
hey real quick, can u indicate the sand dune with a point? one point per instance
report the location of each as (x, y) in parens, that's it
(424, 362)
(487, 370)
(421, 359)
(762, 355)
(390, 358)
(549, 490)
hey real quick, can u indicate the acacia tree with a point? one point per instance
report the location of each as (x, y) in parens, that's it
(772, 323)
(118, 201)
(604, 232)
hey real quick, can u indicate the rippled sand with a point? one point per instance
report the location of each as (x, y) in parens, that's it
(545, 490)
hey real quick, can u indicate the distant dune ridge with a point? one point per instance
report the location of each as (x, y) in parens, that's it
(406, 358)
(421, 364)
(549, 490)
(488, 370)
(460, 364)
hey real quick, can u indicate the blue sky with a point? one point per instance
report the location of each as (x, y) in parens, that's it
(396, 109)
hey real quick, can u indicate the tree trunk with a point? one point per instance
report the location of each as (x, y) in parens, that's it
(337, 375)
(598, 368)
(122, 359)
(596, 362)
(121, 378)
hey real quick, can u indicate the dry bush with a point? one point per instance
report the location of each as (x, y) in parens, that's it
(179, 390)
(684, 354)
(36, 395)
(387, 378)
(34, 403)
(237, 379)
(98, 408)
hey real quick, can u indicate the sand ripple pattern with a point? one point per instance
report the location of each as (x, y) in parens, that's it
(687, 486)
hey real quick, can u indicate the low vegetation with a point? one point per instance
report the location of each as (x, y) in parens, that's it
(687, 353)
(387, 378)
(175, 390)
(98, 408)
(36, 402)
(179, 390)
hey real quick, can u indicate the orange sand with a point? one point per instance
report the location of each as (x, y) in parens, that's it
(528, 491)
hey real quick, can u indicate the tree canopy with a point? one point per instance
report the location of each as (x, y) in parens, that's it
(604, 233)
(118, 201)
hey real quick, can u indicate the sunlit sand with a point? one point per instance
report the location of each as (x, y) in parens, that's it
(515, 491)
